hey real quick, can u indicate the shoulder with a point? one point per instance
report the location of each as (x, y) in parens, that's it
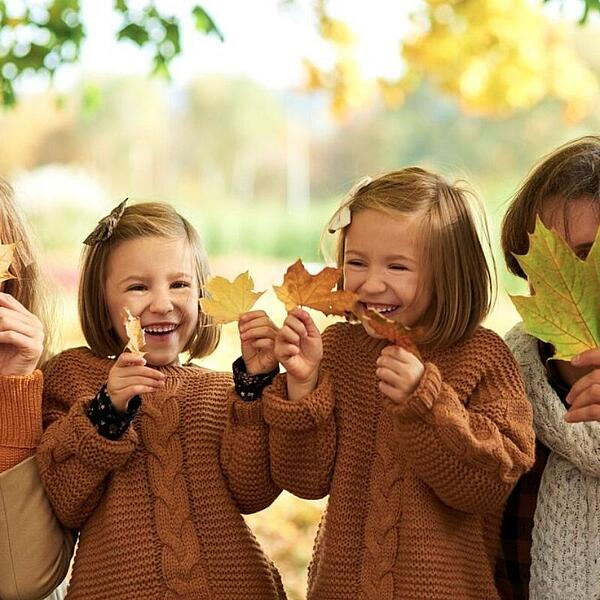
(74, 366)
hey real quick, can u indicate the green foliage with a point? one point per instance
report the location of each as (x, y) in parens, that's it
(43, 37)
(588, 7)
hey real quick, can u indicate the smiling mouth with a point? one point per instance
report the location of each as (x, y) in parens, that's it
(383, 309)
(160, 330)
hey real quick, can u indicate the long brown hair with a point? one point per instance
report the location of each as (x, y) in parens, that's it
(27, 287)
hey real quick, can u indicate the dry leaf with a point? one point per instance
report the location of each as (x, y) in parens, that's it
(229, 299)
(300, 288)
(393, 331)
(134, 330)
(564, 309)
(6, 258)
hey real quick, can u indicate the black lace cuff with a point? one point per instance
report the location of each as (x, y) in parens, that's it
(249, 387)
(109, 422)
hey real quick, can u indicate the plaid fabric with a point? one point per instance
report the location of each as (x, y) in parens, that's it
(512, 571)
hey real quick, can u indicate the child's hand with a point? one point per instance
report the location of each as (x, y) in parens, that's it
(584, 396)
(21, 338)
(257, 334)
(130, 377)
(298, 347)
(399, 372)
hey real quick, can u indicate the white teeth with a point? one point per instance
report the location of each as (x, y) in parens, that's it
(382, 309)
(160, 328)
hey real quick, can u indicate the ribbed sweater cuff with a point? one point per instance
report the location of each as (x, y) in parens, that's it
(421, 402)
(306, 414)
(21, 410)
(244, 413)
(78, 437)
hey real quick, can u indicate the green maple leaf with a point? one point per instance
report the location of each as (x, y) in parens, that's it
(564, 308)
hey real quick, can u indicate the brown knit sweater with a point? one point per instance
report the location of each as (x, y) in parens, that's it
(159, 509)
(20, 417)
(416, 489)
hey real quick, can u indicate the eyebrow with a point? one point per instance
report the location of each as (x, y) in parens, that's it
(389, 257)
(179, 275)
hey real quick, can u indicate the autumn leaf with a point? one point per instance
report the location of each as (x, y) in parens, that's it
(229, 299)
(300, 288)
(393, 331)
(564, 308)
(135, 333)
(6, 258)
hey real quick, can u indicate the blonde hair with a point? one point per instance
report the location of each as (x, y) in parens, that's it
(461, 281)
(571, 172)
(27, 287)
(147, 219)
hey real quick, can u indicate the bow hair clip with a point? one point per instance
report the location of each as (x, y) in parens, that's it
(343, 217)
(106, 226)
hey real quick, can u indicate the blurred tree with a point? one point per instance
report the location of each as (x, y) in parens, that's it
(495, 57)
(43, 36)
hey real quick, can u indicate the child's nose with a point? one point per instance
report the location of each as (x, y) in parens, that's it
(373, 283)
(161, 302)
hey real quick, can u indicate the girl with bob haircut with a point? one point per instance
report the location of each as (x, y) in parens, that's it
(34, 549)
(134, 454)
(551, 527)
(417, 453)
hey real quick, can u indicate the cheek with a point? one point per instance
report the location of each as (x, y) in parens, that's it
(351, 281)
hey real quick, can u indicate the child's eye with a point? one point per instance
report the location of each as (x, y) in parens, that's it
(397, 267)
(181, 284)
(355, 263)
(136, 287)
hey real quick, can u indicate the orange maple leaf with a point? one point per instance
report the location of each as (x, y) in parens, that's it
(393, 331)
(300, 288)
(6, 257)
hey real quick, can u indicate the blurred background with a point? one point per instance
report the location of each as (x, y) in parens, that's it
(255, 118)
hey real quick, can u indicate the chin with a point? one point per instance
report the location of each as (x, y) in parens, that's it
(161, 359)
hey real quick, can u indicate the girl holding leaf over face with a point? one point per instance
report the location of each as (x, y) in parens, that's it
(133, 454)
(35, 550)
(418, 450)
(551, 527)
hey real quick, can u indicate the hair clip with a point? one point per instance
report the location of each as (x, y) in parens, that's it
(106, 226)
(343, 215)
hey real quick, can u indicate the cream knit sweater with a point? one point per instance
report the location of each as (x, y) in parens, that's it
(565, 553)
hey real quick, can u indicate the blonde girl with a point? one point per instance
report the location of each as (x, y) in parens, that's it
(417, 453)
(133, 455)
(34, 549)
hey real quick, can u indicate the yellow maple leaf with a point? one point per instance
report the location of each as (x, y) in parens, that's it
(393, 331)
(6, 258)
(135, 333)
(229, 299)
(300, 288)
(564, 308)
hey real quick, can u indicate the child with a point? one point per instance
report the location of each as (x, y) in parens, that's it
(417, 454)
(156, 497)
(34, 549)
(555, 555)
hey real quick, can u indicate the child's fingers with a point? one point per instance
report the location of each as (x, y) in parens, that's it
(390, 377)
(263, 344)
(9, 301)
(20, 340)
(252, 314)
(390, 391)
(286, 351)
(123, 383)
(589, 358)
(288, 335)
(295, 324)
(128, 359)
(258, 332)
(306, 320)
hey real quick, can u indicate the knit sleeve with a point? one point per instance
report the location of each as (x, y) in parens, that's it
(74, 459)
(20, 417)
(470, 455)
(302, 438)
(579, 443)
(245, 455)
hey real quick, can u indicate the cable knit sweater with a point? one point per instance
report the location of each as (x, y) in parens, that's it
(565, 547)
(416, 488)
(159, 509)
